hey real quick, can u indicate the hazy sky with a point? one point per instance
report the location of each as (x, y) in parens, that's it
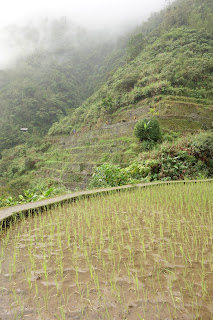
(90, 12)
(110, 17)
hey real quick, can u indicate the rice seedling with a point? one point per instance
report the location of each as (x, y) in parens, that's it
(139, 254)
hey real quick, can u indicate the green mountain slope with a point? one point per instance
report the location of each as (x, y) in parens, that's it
(44, 86)
(166, 69)
(179, 63)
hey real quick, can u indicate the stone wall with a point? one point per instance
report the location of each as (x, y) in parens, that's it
(105, 132)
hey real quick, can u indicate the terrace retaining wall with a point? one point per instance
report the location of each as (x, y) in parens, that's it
(12, 213)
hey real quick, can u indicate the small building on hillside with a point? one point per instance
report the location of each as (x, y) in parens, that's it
(24, 129)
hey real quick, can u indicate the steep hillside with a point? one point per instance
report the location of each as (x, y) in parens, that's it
(166, 70)
(178, 63)
(45, 85)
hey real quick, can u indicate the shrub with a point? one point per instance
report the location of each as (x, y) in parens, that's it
(108, 175)
(203, 144)
(148, 129)
(170, 136)
(39, 192)
(147, 145)
(137, 171)
(173, 161)
(16, 186)
(29, 163)
(202, 147)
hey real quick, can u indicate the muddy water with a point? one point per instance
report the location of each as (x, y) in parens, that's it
(124, 256)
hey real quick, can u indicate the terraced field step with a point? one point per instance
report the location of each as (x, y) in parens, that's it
(190, 100)
(188, 103)
(7, 214)
(68, 166)
(95, 149)
(186, 110)
(180, 124)
(106, 132)
(100, 145)
(72, 158)
(74, 170)
(84, 166)
(76, 185)
(73, 165)
(66, 159)
(72, 180)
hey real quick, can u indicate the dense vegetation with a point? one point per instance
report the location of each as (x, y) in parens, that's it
(175, 58)
(49, 83)
(78, 81)
(148, 130)
(183, 158)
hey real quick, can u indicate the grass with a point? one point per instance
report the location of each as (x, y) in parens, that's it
(140, 254)
(181, 125)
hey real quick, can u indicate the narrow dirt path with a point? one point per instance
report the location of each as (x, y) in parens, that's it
(8, 213)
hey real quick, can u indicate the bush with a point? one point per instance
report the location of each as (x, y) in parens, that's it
(136, 171)
(108, 175)
(40, 190)
(182, 159)
(148, 129)
(170, 136)
(202, 147)
(16, 186)
(147, 145)
(29, 163)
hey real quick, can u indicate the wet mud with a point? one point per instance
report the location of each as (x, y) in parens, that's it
(144, 254)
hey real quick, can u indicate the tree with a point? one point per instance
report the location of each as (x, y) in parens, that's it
(135, 46)
(107, 105)
(148, 129)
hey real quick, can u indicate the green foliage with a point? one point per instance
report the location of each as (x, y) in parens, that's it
(136, 171)
(203, 144)
(105, 157)
(148, 129)
(15, 186)
(167, 70)
(21, 159)
(146, 145)
(170, 136)
(30, 195)
(194, 13)
(42, 88)
(189, 158)
(108, 106)
(135, 46)
(177, 61)
(108, 175)
(175, 167)
(202, 147)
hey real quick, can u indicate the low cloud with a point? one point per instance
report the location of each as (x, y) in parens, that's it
(25, 26)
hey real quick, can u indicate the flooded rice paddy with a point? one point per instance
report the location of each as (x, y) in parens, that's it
(140, 254)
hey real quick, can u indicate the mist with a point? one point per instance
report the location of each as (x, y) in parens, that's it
(25, 26)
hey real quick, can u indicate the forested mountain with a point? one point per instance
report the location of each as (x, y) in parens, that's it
(65, 66)
(71, 79)
(171, 54)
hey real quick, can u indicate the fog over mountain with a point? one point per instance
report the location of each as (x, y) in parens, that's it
(25, 25)
(92, 12)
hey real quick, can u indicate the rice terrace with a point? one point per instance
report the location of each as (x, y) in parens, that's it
(144, 253)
